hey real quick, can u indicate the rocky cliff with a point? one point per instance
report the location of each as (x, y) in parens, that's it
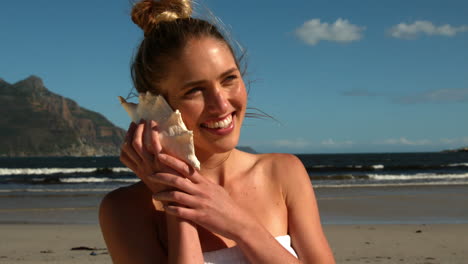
(36, 122)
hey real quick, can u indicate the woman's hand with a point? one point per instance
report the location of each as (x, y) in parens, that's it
(140, 150)
(199, 200)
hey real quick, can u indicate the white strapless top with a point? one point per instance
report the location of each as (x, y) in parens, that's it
(234, 255)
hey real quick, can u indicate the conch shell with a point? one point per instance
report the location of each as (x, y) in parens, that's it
(175, 139)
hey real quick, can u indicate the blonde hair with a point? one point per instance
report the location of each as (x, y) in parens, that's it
(167, 26)
(148, 13)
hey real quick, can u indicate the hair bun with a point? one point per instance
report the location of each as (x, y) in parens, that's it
(148, 13)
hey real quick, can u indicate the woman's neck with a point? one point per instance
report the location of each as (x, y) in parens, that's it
(215, 166)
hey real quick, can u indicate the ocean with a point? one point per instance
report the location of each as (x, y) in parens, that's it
(102, 174)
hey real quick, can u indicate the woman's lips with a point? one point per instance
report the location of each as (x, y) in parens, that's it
(222, 126)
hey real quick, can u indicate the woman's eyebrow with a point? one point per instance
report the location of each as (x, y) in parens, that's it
(233, 69)
(192, 83)
(198, 82)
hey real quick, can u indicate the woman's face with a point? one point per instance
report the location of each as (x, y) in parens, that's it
(205, 84)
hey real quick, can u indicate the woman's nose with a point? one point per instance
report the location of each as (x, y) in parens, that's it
(217, 102)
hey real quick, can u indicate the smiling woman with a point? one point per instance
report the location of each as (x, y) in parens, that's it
(238, 207)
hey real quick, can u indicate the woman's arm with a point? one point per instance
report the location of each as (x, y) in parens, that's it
(128, 232)
(304, 224)
(184, 244)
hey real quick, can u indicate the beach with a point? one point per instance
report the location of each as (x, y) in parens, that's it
(399, 224)
(411, 243)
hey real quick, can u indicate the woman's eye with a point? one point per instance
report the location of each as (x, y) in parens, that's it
(231, 78)
(193, 90)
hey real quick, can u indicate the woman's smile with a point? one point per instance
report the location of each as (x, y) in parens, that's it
(220, 126)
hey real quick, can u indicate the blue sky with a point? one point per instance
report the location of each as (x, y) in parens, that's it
(340, 76)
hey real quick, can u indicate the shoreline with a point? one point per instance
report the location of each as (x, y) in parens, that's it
(435, 204)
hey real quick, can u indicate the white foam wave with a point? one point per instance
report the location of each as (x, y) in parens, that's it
(49, 171)
(56, 190)
(377, 167)
(94, 179)
(447, 183)
(458, 165)
(418, 176)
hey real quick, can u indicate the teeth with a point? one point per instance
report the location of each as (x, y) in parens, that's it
(220, 124)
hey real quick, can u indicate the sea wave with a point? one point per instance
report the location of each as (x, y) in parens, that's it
(387, 167)
(50, 171)
(95, 179)
(417, 176)
(63, 190)
(395, 184)
(457, 165)
(346, 167)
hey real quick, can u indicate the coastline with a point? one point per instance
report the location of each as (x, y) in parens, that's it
(406, 224)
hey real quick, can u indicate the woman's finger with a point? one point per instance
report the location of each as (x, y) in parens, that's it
(155, 143)
(182, 212)
(158, 205)
(137, 143)
(180, 166)
(176, 197)
(128, 161)
(175, 181)
(130, 132)
(127, 147)
(147, 137)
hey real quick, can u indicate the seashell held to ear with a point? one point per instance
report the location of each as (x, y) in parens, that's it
(175, 139)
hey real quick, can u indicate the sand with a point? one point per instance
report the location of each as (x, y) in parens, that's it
(429, 244)
(417, 225)
(36, 243)
(425, 244)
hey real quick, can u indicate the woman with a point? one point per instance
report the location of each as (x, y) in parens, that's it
(238, 206)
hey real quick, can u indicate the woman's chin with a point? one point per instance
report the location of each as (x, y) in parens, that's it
(221, 146)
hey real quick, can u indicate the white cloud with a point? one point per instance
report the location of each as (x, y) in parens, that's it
(301, 143)
(436, 96)
(412, 31)
(332, 143)
(314, 31)
(292, 143)
(404, 141)
(360, 92)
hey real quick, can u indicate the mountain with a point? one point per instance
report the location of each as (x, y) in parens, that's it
(463, 149)
(247, 149)
(37, 122)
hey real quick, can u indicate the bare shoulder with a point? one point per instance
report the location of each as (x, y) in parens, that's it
(125, 207)
(284, 169)
(123, 199)
(273, 160)
(282, 165)
(282, 160)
